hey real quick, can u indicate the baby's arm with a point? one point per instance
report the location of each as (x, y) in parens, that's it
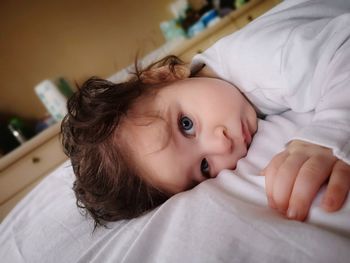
(294, 177)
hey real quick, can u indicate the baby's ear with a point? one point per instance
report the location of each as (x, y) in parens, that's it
(165, 74)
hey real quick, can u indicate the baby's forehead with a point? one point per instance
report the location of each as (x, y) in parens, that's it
(173, 91)
(194, 84)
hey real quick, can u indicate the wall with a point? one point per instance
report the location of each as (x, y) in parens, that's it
(75, 39)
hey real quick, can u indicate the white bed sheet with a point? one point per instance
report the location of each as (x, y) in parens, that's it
(225, 219)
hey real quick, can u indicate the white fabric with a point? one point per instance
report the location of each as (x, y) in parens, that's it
(225, 219)
(296, 56)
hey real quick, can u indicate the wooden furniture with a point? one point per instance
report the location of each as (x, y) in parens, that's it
(23, 168)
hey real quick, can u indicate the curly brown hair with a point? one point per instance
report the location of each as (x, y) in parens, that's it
(107, 184)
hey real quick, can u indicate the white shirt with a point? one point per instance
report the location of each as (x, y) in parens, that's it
(294, 57)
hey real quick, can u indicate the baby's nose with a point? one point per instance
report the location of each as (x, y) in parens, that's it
(219, 141)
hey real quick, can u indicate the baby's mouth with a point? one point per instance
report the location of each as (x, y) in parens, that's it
(246, 135)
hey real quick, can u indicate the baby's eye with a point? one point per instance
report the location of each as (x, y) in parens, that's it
(186, 126)
(205, 169)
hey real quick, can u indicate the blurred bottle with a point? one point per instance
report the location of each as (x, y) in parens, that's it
(20, 130)
(13, 132)
(7, 141)
(54, 94)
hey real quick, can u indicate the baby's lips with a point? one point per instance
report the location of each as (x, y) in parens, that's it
(246, 134)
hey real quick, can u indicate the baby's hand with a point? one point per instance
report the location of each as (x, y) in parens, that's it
(294, 176)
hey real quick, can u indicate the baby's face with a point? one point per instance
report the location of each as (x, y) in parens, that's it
(206, 125)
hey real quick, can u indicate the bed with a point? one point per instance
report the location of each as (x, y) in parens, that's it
(224, 219)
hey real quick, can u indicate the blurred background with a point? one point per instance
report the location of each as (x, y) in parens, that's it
(71, 39)
(74, 39)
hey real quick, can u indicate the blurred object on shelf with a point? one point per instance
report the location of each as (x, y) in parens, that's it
(239, 3)
(44, 123)
(190, 19)
(210, 17)
(194, 16)
(195, 29)
(178, 8)
(7, 141)
(224, 7)
(172, 30)
(54, 95)
(14, 131)
(64, 87)
(20, 130)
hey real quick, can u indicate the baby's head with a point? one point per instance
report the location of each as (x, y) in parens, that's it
(134, 144)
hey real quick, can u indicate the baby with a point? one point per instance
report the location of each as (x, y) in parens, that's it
(135, 144)
(168, 128)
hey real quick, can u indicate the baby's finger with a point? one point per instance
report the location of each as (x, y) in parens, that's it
(338, 187)
(285, 179)
(311, 176)
(270, 172)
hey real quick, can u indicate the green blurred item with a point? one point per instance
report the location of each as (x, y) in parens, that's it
(239, 3)
(64, 87)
